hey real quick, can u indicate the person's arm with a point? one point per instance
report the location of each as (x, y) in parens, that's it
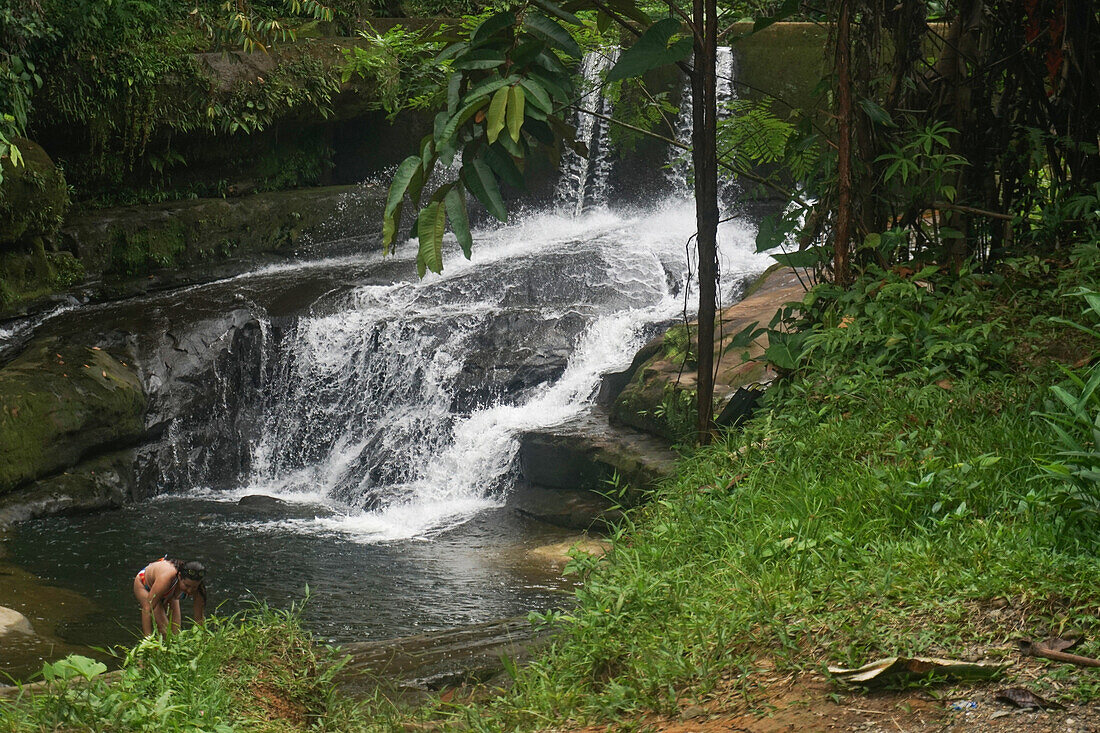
(155, 601)
(200, 607)
(177, 614)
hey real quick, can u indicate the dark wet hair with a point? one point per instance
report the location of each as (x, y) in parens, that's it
(192, 570)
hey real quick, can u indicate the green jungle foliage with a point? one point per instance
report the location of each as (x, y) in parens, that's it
(256, 671)
(873, 506)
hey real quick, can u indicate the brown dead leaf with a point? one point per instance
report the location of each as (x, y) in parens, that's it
(945, 384)
(1023, 698)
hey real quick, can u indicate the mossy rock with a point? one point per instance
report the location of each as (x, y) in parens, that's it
(33, 197)
(660, 397)
(60, 404)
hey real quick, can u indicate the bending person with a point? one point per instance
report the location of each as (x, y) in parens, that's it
(159, 588)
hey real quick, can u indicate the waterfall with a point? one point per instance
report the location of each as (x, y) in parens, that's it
(678, 169)
(399, 405)
(584, 181)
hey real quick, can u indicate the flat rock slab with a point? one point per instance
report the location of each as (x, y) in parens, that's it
(416, 666)
(587, 453)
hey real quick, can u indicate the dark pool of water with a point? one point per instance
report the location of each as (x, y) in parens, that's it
(475, 572)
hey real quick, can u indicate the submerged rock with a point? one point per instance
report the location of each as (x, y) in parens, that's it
(559, 552)
(564, 508)
(261, 501)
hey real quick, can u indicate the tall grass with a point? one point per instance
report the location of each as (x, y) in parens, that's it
(253, 671)
(877, 505)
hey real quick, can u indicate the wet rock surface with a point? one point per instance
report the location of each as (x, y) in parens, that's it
(62, 403)
(564, 507)
(660, 381)
(588, 453)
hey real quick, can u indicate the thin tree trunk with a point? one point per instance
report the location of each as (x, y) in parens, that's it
(704, 130)
(844, 214)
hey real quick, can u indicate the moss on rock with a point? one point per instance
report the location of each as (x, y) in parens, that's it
(660, 397)
(33, 197)
(60, 404)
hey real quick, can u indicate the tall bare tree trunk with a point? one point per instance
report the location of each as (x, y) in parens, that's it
(704, 156)
(844, 213)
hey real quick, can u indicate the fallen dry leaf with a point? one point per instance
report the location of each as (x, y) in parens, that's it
(1026, 699)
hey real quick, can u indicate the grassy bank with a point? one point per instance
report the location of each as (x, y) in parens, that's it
(890, 498)
(259, 671)
(901, 492)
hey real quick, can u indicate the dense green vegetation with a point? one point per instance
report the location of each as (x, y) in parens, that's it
(888, 492)
(258, 671)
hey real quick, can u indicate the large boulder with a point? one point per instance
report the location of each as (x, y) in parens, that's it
(660, 395)
(33, 197)
(62, 403)
(101, 483)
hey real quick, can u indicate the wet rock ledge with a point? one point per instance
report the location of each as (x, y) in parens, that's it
(578, 473)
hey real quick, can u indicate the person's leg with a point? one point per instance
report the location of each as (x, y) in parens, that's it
(142, 596)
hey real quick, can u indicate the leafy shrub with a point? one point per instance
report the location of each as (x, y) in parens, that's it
(260, 671)
(1074, 414)
(894, 321)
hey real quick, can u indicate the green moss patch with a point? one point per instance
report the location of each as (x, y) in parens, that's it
(59, 404)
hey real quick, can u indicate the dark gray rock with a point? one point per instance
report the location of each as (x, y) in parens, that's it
(102, 483)
(582, 510)
(587, 454)
(261, 501)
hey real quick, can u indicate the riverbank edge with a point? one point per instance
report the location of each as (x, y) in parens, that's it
(785, 548)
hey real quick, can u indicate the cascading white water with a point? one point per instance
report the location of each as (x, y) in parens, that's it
(584, 181)
(678, 170)
(400, 405)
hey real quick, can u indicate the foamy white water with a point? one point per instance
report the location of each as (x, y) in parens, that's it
(399, 407)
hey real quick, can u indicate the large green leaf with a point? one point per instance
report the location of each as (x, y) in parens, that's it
(515, 111)
(454, 87)
(430, 228)
(809, 257)
(455, 202)
(550, 31)
(555, 9)
(482, 58)
(525, 53)
(493, 25)
(495, 118)
(405, 172)
(389, 228)
(391, 218)
(655, 48)
(467, 111)
(481, 182)
(785, 349)
(503, 165)
(537, 95)
(487, 87)
(631, 9)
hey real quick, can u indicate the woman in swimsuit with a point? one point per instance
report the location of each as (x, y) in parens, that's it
(160, 586)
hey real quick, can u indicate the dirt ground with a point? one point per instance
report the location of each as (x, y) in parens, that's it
(815, 703)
